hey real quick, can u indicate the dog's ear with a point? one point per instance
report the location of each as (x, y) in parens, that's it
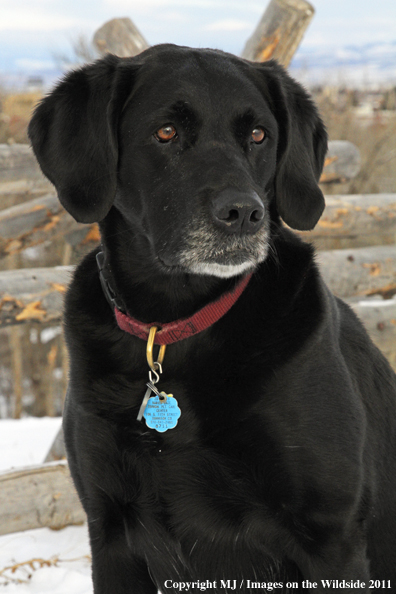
(302, 147)
(74, 135)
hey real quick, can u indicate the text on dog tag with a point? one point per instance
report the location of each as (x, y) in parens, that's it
(162, 412)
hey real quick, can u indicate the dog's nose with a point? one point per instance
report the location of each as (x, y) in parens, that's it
(237, 211)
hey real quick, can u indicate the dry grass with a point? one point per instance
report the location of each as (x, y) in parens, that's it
(374, 136)
(15, 112)
(21, 573)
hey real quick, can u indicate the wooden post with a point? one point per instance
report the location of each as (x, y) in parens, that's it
(119, 37)
(16, 358)
(50, 396)
(16, 362)
(279, 32)
(67, 257)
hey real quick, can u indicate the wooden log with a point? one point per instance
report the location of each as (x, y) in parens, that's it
(360, 272)
(18, 162)
(348, 221)
(33, 294)
(16, 355)
(379, 318)
(39, 220)
(57, 450)
(30, 223)
(120, 37)
(342, 162)
(16, 192)
(279, 32)
(355, 221)
(38, 496)
(36, 293)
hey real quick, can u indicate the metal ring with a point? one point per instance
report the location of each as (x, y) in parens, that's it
(149, 351)
(154, 381)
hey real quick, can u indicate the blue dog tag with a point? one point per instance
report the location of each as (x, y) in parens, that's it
(161, 412)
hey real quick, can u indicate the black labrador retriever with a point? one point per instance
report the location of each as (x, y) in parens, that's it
(280, 472)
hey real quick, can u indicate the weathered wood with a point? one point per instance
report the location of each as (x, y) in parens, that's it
(34, 294)
(361, 271)
(16, 367)
(15, 192)
(348, 221)
(38, 496)
(342, 162)
(16, 357)
(120, 37)
(279, 32)
(30, 223)
(355, 221)
(379, 318)
(18, 162)
(39, 220)
(57, 450)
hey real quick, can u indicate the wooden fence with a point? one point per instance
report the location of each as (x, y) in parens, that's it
(355, 236)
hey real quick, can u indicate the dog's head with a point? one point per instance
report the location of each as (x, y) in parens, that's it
(196, 149)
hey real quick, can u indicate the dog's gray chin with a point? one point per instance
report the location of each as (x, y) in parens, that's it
(223, 264)
(210, 252)
(220, 270)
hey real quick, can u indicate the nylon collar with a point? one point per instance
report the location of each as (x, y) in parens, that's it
(171, 332)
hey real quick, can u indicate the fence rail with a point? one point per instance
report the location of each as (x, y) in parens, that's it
(18, 162)
(348, 221)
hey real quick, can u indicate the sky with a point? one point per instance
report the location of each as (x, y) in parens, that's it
(32, 32)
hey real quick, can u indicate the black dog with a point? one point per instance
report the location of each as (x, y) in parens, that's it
(282, 466)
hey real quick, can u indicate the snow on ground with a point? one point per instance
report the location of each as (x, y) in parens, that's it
(26, 441)
(66, 551)
(62, 562)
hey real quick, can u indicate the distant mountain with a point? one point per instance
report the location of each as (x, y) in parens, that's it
(24, 80)
(367, 65)
(370, 64)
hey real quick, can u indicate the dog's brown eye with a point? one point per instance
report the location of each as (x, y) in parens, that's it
(166, 133)
(258, 135)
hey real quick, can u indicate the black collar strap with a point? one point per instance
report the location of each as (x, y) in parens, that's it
(109, 293)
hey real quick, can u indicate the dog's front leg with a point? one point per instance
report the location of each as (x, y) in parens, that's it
(115, 569)
(340, 566)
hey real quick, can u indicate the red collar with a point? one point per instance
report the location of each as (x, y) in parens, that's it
(186, 327)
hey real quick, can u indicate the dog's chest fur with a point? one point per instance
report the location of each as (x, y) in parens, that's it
(194, 488)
